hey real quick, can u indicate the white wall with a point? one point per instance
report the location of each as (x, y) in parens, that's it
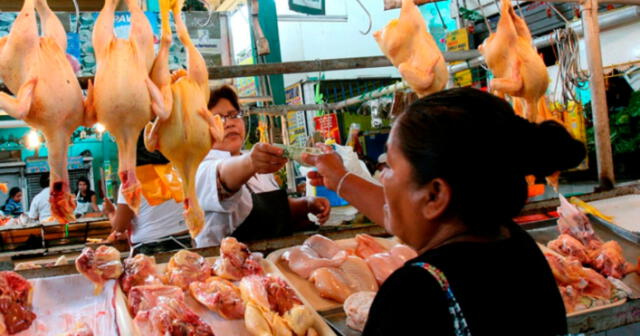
(305, 40)
(619, 45)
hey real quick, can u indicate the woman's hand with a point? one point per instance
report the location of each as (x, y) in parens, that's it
(266, 159)
(329, 165)
(319, 207)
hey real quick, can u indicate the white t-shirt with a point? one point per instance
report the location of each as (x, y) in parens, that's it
(223, 217)
(155, 222)
(40, 208)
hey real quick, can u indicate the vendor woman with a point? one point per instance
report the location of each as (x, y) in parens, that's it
(86, 199)
(159, 225)
(456, 166)
(237, 190)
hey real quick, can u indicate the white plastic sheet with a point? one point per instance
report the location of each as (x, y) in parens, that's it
(62, 302)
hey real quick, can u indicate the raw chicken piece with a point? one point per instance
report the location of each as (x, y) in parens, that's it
(273, 308)
(609, 261)
(359, 275)
(281, 297)
(170, 317)
(323, 246)
(15, 303)
(567, 271)
(338, 283)
(409, 46)
(597, 285)
(27, 265)
(146, 297)
(236, 261)
(139, 270)
(100, 265)
(331, 283)
(384, 264)
(219, 295)
(570, 298)
(187, 134)
(48, 96)
(570, 247)
(367, 246)
(303, 260)
(357, 309)
(518, 69)
(403, 253)
(124, 98)
(575, 223)
(186, 267)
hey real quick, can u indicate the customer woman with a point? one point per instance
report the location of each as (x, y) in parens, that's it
(13, 206)
(237, 190)
(86, 199)
(457, 161)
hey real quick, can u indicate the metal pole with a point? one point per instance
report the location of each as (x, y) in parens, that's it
(598, 95)
(291, 179)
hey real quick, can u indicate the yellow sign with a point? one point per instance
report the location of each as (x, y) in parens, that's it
(458, 40)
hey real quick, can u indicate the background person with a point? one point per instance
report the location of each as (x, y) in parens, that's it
(13, 205)
(86, 199)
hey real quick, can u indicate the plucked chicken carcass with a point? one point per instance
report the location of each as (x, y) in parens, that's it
(186, 267)
(139, 270)
(15, 303)
(219, 295)
(338, 283)
(161, 310)
(517, 68)
(100, 265)
(48, 95)
(124, 98)
(273, 308)
(357, 309)
(410, 48)
(236, 261)
(187, 134)
(609, 261)
(570, 247)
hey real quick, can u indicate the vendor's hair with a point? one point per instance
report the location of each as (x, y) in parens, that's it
(85, 180)
(144, 157)
(474, 141)
(226, 92)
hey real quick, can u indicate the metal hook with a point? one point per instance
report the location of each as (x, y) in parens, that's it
(557, 12)
(210, 9)
(368, 15)
(77, 27)
(486, 21)
(444, 25)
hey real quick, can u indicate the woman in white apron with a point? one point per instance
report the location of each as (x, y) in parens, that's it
(86, 199)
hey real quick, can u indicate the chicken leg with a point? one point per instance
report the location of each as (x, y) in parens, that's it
(186, 136)
(49, 97)
(123, 96)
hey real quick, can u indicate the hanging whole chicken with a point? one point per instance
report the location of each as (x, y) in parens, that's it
(188, 133)
(49, 97)
(409, 46)
(124, 97)
(517, 68)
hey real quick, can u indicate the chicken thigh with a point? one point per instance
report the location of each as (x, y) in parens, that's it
(100, 265)
(219, 295)
(48, 95)
(124, 98)
(186, 267)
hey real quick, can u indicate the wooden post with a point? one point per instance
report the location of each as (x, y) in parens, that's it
(599, 107)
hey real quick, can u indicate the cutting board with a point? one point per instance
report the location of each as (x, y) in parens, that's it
(305, 287)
